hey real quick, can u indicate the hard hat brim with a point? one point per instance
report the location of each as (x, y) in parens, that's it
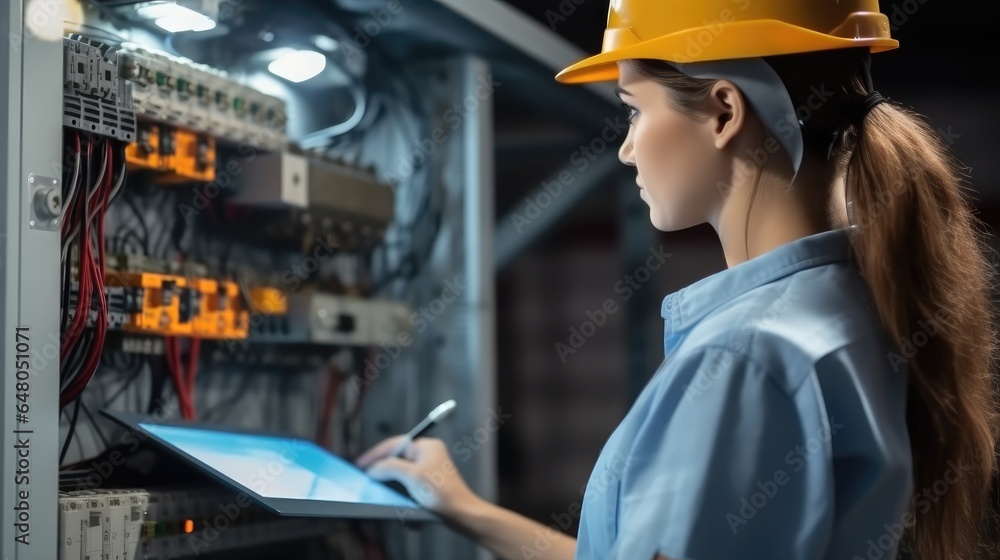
(749, 39)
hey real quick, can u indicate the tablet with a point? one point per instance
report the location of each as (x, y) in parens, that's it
(289, 476)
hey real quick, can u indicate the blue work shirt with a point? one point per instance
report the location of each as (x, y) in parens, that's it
(774, 430)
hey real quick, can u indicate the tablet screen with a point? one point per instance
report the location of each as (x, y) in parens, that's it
(277, 467)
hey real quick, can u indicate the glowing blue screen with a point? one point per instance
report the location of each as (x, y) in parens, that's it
(277, 467)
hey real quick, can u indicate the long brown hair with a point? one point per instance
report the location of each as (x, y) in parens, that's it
(922, 253)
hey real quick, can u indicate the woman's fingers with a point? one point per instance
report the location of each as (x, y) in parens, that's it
(380, 451)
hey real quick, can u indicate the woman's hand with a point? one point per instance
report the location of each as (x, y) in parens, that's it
(430, 476)
(425, 470)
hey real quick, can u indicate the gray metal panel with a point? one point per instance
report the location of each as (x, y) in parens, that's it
(478, 183)
(461, 361)
(10, 155)
(30, 114)
(452, 354)
(510, 25)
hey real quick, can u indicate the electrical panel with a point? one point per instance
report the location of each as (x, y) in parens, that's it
(290, 179)
(350, 195)
(275, 180)
(169, 523)
(178, 155)
(170, 305)
(318, 318)
(95, 98)
(185, 522)
(120, 304)
(139, 274)
(175, 91)
(291, 196)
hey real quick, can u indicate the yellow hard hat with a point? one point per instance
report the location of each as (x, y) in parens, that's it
(686, 31)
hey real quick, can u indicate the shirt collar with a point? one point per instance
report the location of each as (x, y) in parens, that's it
(686, 307)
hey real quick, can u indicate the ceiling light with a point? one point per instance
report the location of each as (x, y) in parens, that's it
(175, 18)
(153, 10)
(325, 43)
(298, 65)
(179, 23)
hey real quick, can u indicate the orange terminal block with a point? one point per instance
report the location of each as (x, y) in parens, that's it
(144, 153)
(165, 303)
(237, 315)
(210, 323)
(194, 157)
(180, 155)
(268, 301)
(222, 315)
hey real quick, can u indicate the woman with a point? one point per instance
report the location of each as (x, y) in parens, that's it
(829, 394)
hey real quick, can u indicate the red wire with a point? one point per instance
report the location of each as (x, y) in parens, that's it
(75, 328)
(86, 257)
(193, 351)
(168, 353)
(168, 350)
(172, 349)
(100, 215)
(68, 217)
(68, 211)
(101, 328)
(183, 378)
(97, 269)
(73, 204)
(92, 280)
(329, 403)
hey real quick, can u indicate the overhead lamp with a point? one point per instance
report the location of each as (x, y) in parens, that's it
(298, 65)
(325, 43)
(175, 18)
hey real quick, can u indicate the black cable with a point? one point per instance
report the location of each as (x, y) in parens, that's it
(410, 262)
(177, 233)
(134, 374)
(119, 153)
(130, 202)
(81, 191)
(93, 422)
(158, 371)
(411, 259)
(110, 359)
(129, 239)
(67, 288)
(74, 362)
(164, 244)
(72, 430)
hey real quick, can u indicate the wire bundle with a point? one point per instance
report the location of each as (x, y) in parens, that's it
(86, 201)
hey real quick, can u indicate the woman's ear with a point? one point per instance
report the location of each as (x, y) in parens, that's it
(727, 112)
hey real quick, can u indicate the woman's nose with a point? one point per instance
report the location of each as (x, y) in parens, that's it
(625, 152)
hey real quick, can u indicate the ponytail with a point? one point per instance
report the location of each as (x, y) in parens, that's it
(921, 252)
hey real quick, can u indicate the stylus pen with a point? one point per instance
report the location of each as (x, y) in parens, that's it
(420, 429)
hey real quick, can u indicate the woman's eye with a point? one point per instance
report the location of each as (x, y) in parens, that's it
(630, 111)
